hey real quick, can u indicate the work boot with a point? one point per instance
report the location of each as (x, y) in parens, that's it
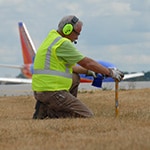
(40, 111)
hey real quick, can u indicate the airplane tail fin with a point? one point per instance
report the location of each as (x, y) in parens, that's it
(28, 48)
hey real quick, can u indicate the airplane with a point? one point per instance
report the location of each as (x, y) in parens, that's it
(29, 52)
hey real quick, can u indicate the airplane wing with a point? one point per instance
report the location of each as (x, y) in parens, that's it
(83, 80)
(133, 75)
(15, 80)
(11, 66)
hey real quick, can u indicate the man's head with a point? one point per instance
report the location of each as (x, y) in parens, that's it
(70, 27)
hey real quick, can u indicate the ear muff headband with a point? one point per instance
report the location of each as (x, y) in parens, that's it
(68, 27)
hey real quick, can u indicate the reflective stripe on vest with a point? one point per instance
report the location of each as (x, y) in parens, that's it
(47, 70)
(53, 72)
(48, 54)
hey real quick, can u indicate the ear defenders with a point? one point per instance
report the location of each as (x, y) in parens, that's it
(68, 27)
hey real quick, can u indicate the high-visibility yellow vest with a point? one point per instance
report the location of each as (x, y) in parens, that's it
(51, 74)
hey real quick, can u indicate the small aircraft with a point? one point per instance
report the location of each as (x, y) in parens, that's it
(28, 53)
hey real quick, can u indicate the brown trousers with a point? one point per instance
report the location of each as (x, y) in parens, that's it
(61, 104)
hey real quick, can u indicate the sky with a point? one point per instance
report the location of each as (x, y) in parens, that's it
(117, 31)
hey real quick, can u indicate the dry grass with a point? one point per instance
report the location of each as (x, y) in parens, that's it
(131, 131)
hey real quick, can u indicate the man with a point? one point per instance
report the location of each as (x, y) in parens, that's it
(56, 76)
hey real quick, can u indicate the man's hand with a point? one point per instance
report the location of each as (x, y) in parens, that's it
(91, 73)
(116, 74)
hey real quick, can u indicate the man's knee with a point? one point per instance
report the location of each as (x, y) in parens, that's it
(40, 111)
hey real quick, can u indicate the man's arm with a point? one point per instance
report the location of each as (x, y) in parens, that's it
(94, 66)
(91, 64)
(79, 69)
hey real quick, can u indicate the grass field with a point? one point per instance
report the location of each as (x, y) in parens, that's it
(130, 131)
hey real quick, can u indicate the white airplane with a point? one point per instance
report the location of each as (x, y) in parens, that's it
(28, 53)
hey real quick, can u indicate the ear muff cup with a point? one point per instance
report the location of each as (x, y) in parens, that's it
(67, 29)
